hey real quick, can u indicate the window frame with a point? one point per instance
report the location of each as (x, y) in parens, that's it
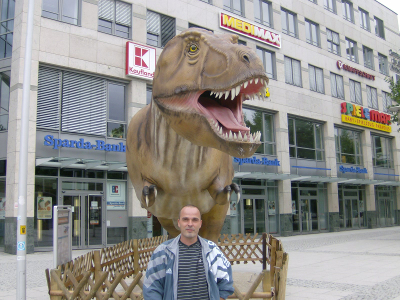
(364, 15)
(231, 8)
(312, 71)
(348, 10)
(114, 24)
(264, 60)
(330, 5)
(370, 99)
(358, 157)
(336, 86)
(386, 101)
(162, 33)
(331, 42)
(311, 41)
(292, 81)
(353, 92)
(317, 151)
(379, 27)
(353, 58)
(60, 12)
(4, 116)
(113, 121)
(388, 157)
(270, 22)
(286, 23)
(368, 53)
(383, 66)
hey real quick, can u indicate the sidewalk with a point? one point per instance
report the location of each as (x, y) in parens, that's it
(351, 265)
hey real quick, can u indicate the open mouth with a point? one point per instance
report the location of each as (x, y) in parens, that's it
(223, 109)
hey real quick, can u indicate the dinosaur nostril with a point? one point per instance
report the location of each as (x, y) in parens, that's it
(246, 58)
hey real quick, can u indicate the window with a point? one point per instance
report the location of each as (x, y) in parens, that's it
(234, 6)
(268, 59)
(364, 19)
(379, 28)
(355, 92)
(333, 41)
(368, 58)
(372, 97)
(316, 79)
(292, 71)
(257, 120)
(240, 42)
(386, 101)
(206, 1)
(191, 25)
(382, 152)
(263, 12)
(351, 50)
(348, 12)
(337, 88)
(383, 64)
(312, 33)
(4, 99)
(330, 5)
(63, 91)
(149, 93)
(305, 139)
(289, 23)
(62, 10)
(7, 28)
(348, 146)
(160, 29)
(115, 18)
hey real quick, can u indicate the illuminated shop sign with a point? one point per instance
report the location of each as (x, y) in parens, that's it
(395, 61)
(257, 161)
(249, 29)
(140, 60)
(343, 66)
(50, 141)
(357, 115)
(353, 170)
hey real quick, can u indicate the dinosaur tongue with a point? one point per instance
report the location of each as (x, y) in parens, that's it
(223, 114)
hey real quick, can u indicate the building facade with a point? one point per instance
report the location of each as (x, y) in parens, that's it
(329, 158)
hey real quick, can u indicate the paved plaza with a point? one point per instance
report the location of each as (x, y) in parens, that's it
(351, 265)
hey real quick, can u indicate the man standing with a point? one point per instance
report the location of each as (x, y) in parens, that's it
(188, 266)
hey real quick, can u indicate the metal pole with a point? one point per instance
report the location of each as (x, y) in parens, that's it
(23, 161)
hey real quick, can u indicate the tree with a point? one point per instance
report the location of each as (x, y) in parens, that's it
(395, 96)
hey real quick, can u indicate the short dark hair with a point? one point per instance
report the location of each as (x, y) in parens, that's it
(189, 205)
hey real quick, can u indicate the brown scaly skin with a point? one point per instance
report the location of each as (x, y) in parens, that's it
(179, 146)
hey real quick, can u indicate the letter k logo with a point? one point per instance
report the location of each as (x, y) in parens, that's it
(142, 57)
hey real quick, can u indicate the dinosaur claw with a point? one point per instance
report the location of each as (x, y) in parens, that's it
(238, 197)
(147, 200)
(155, 192)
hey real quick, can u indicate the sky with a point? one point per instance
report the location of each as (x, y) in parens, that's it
(393, 5)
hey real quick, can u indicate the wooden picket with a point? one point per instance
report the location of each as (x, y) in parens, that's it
(115, 272)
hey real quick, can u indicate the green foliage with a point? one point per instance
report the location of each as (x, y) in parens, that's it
(394, 95)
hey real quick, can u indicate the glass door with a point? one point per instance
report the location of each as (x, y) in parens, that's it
(308, 213)
(75, 202)
(93, 220)
(253, 216)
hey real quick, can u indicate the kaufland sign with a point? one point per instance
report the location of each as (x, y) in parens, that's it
(249, 29)
(140, 60)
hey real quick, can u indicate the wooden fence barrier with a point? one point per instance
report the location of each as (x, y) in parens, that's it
(115, 272)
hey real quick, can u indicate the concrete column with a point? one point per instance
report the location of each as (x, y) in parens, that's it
(333, 206)
(370, 206)
(14, 127)
(285, 207)
(397, 206)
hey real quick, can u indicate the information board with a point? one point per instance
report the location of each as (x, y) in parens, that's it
(62, 234)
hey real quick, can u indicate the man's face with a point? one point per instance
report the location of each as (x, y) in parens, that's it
(189, 222)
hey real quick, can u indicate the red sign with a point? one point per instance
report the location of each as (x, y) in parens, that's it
(249, 29)
(140, 60)
(343, 66)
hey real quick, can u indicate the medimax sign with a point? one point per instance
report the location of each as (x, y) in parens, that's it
(358, 115)
(99, 145)
(249, 29)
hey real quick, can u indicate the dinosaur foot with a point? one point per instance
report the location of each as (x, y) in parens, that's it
(149, 195)
(225, 196)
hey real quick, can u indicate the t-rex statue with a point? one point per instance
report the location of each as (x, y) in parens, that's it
(179, 147)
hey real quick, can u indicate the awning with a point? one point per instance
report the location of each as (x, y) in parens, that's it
(79, 163)
(266, 176)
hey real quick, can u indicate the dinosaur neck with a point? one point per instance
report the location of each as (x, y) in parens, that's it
(170, 149)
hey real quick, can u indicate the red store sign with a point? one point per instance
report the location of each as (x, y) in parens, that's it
(140, 60)
(343, 66)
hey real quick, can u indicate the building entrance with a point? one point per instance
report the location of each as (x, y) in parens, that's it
(88, 219)
(307, 213)
(386, 209)
(351, 207)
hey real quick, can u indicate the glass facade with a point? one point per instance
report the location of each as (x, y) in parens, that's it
(4, 99)
(305, 139)
(2, 200)
(348, 146)
(382, 155)
(352, 207)
(385, 204)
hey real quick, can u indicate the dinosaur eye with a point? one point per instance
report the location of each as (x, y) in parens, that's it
(193, 48)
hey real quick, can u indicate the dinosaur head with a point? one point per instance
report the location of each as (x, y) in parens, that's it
(200, 83)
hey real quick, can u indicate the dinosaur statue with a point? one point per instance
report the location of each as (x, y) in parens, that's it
(179, 147)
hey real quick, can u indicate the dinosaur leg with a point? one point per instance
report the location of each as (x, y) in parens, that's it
(169, 226)
(213, 222)
(149, 194)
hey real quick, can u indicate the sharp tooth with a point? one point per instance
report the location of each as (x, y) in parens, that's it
(212, 93)
(251, 139)
(235, 137)
(226, 95)
(240, 136)
(216, 125)
(230, 134)
(251, 81)
(245, 84)
(220, 130)
(256, 80)
(220, 95)
(237, 90)
(233, 93)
